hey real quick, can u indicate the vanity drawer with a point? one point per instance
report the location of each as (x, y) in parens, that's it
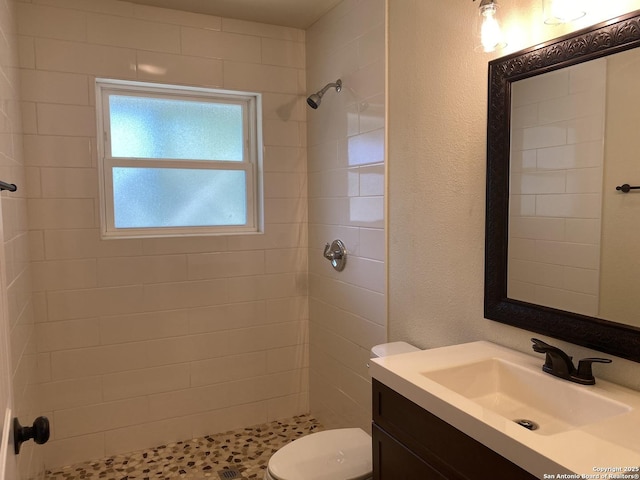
(449, 451)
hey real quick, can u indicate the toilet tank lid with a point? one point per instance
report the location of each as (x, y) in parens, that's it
(392, 348)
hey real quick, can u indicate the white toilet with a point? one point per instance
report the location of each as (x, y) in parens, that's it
(339, 454)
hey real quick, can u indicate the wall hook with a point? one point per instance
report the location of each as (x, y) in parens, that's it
(336, 253)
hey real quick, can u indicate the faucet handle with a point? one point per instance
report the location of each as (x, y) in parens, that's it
(584, 374)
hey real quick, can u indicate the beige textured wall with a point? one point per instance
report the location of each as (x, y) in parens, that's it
(142, 342)
(347, 310)
(16, 296)
(437, 129)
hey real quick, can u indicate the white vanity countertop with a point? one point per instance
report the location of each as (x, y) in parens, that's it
(602, 449)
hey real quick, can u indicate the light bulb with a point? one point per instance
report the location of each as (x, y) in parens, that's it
(490, 32)
(562, 11)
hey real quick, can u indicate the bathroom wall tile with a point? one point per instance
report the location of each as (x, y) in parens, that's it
(137, 437)
(287, 309)
(97, 6)
(76, 57)
(290, 405)
(100, 417)
(86, 243)
(371, 46)
(578, 205)
(167, 296)
(225, 317)
(281, 133)
(581, 280)
(371, 180)
(148, 269)
(177, 17)
(535, 272)
(582, 155)
(53, 336)
(287, 358)
(371, 114)
(262, 30)
(73, 450)
(542, 136)
(85, 362)
(550, 86)
(64, 274)
(225, 264)
(572, 106)
(54, 87)
(223, 45)
(29, 118)
(583, 230)
(69, 182)
(537, 228)
(267, 78)
(283, 53)
(167, 351)
(585, 129)
(588, 75)
(366, 212)
(284, 107)
(136, 383)
(285, 210)
(285, 185)
(538, 182)
(228, 418)
(60, 213)
(367, 148)
(244, 289)
(573, 255)
(143, 326)
(168, 68)
(585, 180)
(565, 300)
(372, 243)
(71, 393)
(286, 260)
(132, 33)
(70, 304)
(183, 245)
(225, 369)
(26, 52)
(58, 23)
(57, 151)
(70, 120)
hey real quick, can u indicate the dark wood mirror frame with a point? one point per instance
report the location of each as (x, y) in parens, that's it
(612, 36)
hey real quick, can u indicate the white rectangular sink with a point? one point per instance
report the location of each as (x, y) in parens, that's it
(481, 388)
(533, 398)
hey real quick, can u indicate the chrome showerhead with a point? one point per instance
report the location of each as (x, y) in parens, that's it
(315, 98)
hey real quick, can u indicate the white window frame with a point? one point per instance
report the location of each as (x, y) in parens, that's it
(251, 163)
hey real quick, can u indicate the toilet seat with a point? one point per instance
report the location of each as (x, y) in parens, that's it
(340, 454)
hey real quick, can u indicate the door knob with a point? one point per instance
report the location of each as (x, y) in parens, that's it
(39, 431)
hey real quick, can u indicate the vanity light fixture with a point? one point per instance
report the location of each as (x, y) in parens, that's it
(562, 11)
(490, 33)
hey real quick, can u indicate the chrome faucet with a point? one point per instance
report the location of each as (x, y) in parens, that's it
(560, 364)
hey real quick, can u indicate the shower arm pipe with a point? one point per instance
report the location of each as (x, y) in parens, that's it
(337, 85)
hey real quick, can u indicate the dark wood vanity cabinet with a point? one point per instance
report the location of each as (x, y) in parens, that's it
(411, 443)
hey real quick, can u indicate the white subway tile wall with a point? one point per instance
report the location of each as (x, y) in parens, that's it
(347, 309)
(17, 321)
(557, 158)
(147, 341)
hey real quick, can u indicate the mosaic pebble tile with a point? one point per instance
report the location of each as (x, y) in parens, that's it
(234, 455)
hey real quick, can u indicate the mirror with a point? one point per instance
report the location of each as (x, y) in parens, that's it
(558, 233)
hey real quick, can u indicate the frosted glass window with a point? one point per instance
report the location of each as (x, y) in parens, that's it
(177, 160)
(146, 127)
(171, 197)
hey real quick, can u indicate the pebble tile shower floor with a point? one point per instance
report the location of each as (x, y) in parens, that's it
(234, 455)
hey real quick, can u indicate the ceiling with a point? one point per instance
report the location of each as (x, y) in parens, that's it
(290, 13)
